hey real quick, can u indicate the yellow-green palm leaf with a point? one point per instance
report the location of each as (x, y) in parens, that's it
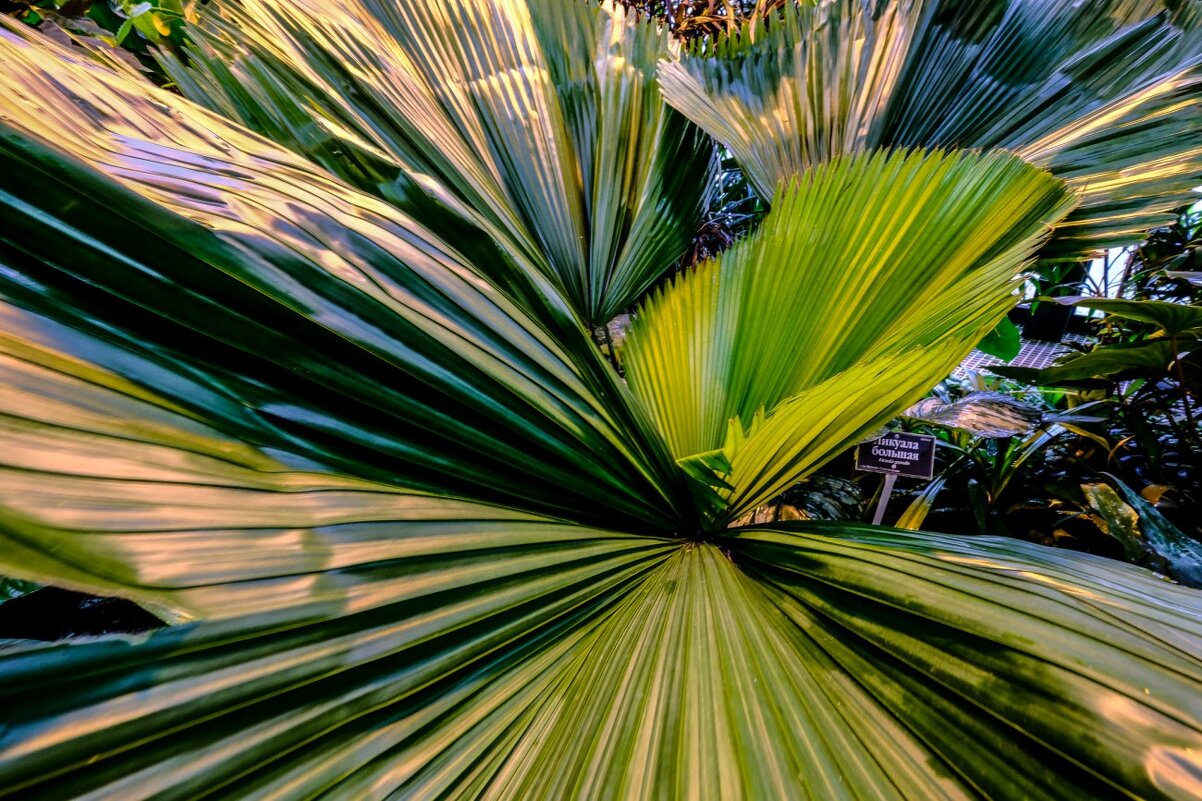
(860, 312)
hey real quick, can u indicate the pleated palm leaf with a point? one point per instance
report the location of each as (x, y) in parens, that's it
(420, 541)
(1104, 94)
(538, 121)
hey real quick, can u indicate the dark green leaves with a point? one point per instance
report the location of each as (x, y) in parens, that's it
(1111, 361)
(1172, 318)
(1003, 342)
(434, 661)
(436, 547)
(1016, 663)
(1171, 550)
(106, 488)
(174, 250)
(819, 661)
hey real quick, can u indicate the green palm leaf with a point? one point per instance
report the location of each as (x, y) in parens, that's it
(318, 319)
(981, 629)
(822, 662)
(1102, 94)
(431, 653)
(857, 315)
(540, 122)
(438, 550)
(110, 489)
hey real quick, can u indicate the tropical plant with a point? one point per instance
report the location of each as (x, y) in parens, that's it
(690, 19)
(1146, 535)
(132, 25)
(331, 404)
(511, 126)
(1018, 462)
(1143, 372)
(1144, 362)
(1116, 412)
(1081, 89)
(1168, 264)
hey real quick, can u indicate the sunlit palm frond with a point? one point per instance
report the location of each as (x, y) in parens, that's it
(436, 549)
(322, 320)
(540, 122)
(1106, 95)
(824, 288)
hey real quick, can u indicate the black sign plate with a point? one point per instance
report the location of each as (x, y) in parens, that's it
(910, 455)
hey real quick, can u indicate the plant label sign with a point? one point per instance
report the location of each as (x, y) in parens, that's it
(896, 453)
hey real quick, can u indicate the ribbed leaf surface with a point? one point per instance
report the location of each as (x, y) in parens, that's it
(106, 488)
(437, 649)
(1103, 94)
(541, 119)
(1017, 662)
(826, 661)
(424, 527)
(175, 250)
(879, 308)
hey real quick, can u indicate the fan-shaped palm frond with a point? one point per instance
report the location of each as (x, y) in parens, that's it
(1107, 95)
(540, 122)
(827, 319)
(422, 543)
(320, 318)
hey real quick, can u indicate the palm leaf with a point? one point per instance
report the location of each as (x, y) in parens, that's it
(110, 489)
(235, 388)
(1102, 94)
(431, 654)
(317, 319)
(543, 122)
(820, 661)
(850, 315)
(976, 632)
(809, 429)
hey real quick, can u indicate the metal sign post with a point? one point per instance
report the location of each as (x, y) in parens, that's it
(886, 492)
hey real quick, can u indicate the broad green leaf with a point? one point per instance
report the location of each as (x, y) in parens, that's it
(1035, 673)
(893, 303)
(106, 488)
(439, 660)
(1103, 94)
(1181, 553)
(721, 698)
(821, 286)
(1119, 520)
(1106, 362)
(1003, 342)
(1173, 318)
(159, 243)
(541, 121)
